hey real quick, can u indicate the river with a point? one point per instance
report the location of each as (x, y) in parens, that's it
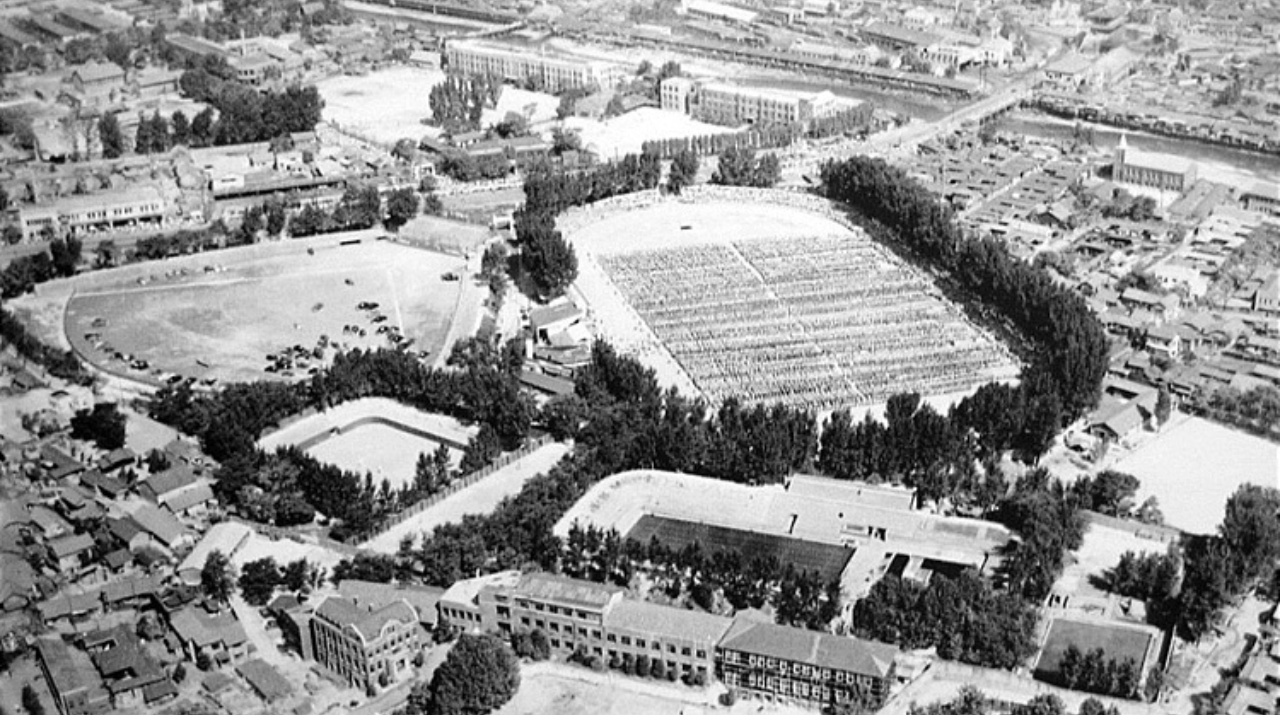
(1232, 166)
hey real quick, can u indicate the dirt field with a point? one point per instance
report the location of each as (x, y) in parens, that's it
(1194, 466)
(223, 324)
(374, 106)
(624, 134)
(384, 451)
(480, 498)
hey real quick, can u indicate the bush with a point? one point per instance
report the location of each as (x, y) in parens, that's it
(595, 662)
(643, 666)
(727, 698)
(615, 663)
(629, 666)
(672, 674)
(658, 670)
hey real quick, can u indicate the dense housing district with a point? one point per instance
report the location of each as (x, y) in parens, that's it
(555, 357)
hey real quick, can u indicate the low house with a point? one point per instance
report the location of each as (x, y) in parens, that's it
(117, 561)
(71, 678)
(71, 553)
(133, 592)
(57, 464)
(221, 637)
(128, 671)
(180, 450)
(76, 607)
(554, 318)
(127, 532)
(190, 501)
(105, 485)
(163, 526)
(48, 523)
(1116, 422)
(117, 459)
(1162, 306)
(156, 487)
(265, 680)
(1165, 341)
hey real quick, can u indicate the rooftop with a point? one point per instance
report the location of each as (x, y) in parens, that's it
(193, 624)
(555, 588)
(265, 680)
(423, 598)
(366, 621)
(161, 523)
(693, 626)
(170, 479)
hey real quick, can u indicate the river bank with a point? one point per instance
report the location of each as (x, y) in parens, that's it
(1232, 166)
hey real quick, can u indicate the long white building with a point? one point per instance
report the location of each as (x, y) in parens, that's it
(510, 62)
(726, 104)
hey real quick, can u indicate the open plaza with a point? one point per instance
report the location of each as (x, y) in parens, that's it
(381, 106)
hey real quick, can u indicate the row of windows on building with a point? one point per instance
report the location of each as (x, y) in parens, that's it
(601, 636)
(784, 667)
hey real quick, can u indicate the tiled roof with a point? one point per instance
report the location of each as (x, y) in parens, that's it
(66, 604)
(807, 646)
(169, 480)
(369, 623)
(189, 497)
(423, 598)
(69, 545)
(160, 523)
(265, 679)
(193, 624)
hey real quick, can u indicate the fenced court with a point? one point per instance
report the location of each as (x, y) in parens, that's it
(1117, 642)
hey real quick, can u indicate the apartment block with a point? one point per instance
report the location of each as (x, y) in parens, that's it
(558, 72)
(78, 213)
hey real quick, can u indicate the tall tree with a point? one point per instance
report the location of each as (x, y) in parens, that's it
(217, 577)
(104, 425)
(402, 206)
(479, 675)
(110, 136)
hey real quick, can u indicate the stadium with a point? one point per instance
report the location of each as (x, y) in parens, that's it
(770, 296)
(838, 528)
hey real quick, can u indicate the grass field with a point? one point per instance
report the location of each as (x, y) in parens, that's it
(1194, 465)
(827, 560)
(1117, 642)
(223, 324)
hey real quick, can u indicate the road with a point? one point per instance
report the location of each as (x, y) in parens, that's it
(906, 136)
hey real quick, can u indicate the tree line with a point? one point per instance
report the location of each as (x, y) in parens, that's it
(774, 135)
(1069, 348)
(545, 257)
(799, 597)
(22, 274)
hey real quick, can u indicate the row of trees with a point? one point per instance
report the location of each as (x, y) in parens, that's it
(799, 597)
(22, 274)
(740, 166)
(547, 260)
(59, 363)
(1069, 348)
(458, 103)
(1095, 672)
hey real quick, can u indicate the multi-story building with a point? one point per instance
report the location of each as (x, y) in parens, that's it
(369, 647)
(1154, 170)
(594, 618)
(735, 105)
(556, 72)
(776, 662)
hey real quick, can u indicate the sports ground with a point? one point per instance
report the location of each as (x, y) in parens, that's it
(772, 298)
(220, 314)
(1194, 465)
(373, 435)
(1116, 641)
(380, 106)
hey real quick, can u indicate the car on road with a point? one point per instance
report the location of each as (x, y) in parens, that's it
(450, 277)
